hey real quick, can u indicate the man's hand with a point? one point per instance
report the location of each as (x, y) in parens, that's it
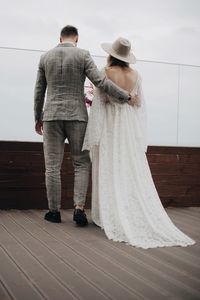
(134, 101)
(39, 127)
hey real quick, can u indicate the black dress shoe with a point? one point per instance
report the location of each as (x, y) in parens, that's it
(53, 216)
(80, 217)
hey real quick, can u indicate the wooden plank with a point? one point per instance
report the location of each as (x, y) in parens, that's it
(191, 226)
(172, 158)
(61, 281)
(4, 291)
(173, 150)
(176, 179)
(141, 270)
(31, 199)
(176, 201)
(175, 170)
(58, 258)
(43, 279)
(194, 211)
(38, 146)
(168, 190)
(16, 145)
(121, 274)
(113, 270)
(17, 283)
(10, 160)
(182, 212)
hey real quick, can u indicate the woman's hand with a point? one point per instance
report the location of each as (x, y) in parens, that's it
(134, 101)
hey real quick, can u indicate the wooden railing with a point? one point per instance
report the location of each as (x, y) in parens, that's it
(175, 170)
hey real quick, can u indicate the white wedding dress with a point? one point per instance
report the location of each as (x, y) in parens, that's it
(125, 202)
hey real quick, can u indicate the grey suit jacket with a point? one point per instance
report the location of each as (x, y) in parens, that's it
(62, 71)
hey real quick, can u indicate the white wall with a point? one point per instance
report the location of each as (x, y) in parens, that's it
(172, 96)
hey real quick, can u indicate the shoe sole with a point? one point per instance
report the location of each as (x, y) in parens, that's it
(81, 224)
(53, 221)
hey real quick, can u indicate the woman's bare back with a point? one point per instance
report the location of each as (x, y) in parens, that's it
(125, 78)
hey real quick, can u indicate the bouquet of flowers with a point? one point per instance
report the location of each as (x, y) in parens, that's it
(89, 94)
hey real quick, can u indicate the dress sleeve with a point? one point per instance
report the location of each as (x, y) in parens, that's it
(141, 113)
(96, 120)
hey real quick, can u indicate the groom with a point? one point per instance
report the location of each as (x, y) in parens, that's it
(62, 71)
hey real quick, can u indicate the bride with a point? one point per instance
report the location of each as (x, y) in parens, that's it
(125, 202)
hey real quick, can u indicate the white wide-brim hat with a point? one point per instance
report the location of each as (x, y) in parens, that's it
(120, 49)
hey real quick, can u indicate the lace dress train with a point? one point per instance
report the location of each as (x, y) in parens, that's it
(125, 202)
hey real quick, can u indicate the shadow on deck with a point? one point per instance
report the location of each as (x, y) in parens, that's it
(41, 260)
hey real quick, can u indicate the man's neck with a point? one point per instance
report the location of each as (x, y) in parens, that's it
(68, 41)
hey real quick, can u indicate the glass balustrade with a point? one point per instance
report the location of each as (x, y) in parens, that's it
(172, 93)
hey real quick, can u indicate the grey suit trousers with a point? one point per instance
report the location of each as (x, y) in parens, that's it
(54, 135)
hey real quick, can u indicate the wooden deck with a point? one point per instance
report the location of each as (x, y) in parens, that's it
(41, 260)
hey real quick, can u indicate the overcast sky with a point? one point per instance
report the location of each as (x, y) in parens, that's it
(166, 30)
(159, 30)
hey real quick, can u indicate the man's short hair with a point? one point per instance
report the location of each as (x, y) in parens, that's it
(69, 31)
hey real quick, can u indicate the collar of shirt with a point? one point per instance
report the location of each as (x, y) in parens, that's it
(69, 42)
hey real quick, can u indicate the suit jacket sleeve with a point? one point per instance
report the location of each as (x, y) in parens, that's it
(40, 89)
(100, 80)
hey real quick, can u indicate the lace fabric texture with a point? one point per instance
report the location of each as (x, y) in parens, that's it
(98, 113)
(125, 202)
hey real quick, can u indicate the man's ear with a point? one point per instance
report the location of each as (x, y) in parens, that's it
(77, 39)
(60, 40)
